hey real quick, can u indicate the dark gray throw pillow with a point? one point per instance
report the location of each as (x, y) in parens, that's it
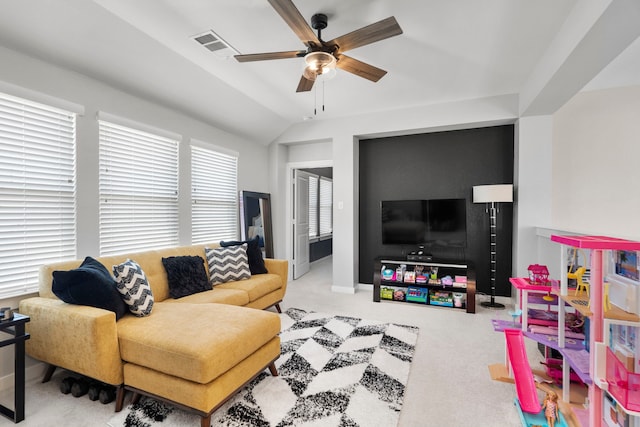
(186, 275)
(90, 284)
(254, 254)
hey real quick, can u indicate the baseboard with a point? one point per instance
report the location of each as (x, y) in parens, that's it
(367, 287)
(30, 372)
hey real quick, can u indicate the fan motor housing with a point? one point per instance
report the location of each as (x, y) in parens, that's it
(319, 21)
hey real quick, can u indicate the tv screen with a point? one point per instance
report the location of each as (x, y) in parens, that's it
(441, 222)
(447, 220)
(404, 222)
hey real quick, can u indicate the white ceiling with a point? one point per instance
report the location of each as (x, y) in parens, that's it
(450, 50)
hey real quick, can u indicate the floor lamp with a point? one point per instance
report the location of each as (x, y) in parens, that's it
(492, 195)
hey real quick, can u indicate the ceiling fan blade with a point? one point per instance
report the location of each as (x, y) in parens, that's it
(360, 68)
(305, 84)
(291, 15)
(366, 35)
(271, 55)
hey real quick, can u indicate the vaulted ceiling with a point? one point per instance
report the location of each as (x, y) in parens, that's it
(449, 51)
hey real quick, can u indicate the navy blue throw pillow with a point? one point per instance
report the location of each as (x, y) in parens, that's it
(90, 284)
(254, 254)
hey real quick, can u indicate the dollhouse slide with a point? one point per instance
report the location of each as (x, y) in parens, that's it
(529, 407)
(522, 375)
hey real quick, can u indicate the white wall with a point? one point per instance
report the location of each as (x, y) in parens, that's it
(533, 184)
(21, 75)
(596, 163)
(313, 151)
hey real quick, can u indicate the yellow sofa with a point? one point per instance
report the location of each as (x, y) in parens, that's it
(195, 351)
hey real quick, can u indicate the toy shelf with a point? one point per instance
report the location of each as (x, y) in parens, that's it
(426, 293)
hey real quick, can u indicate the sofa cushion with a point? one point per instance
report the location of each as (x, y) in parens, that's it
(254, 254)
(172, 340)
(90, 284)
(217, 295)
(227, 264)
(186, 275)
(132, 283)
(256, 287)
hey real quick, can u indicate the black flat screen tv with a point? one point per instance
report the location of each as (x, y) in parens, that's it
(434, 222)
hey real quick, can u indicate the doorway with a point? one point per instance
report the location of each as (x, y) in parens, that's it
(310, 207)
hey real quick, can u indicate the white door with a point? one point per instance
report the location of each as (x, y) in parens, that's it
(300, 223)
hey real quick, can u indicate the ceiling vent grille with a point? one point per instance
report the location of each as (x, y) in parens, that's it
(215, 44)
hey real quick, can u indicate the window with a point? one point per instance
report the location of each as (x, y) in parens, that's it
(214, 195)
(37, 191)
(326, 207)
(138, 190)
(313, 206)
(320, 207)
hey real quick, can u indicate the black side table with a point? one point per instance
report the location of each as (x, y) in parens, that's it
(16, 328)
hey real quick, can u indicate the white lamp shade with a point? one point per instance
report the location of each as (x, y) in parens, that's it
(493, 193)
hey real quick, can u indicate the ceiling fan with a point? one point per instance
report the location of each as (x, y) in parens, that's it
(323, 56)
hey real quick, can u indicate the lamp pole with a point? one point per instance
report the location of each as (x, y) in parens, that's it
(493, 235)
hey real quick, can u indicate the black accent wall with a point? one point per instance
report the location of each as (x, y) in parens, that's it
(439, 165)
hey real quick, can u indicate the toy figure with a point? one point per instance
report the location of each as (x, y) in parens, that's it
(550, 406)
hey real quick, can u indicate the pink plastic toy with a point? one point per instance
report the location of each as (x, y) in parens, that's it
(538, 274)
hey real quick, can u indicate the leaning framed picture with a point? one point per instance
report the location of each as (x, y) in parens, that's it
(255, 219)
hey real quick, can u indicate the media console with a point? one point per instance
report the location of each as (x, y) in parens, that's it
(421, 282)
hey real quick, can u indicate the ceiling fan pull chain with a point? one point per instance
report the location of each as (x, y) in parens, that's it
(322, 95)
(315, 100)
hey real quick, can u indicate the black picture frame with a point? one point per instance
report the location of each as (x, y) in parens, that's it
(255, 219)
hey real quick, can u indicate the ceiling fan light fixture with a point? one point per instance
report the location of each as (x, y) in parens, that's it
(319, 64)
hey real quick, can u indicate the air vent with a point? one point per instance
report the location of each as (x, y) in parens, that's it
(214, 44)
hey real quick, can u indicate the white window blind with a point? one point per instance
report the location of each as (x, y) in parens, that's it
(214, 195)
(326, 206)
(138, 190)
(313, 206)
(37, 191)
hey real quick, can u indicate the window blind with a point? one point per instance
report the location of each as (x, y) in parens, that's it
(313, 206)
(37, 191)
(138, 190)
(326, 207)
(214, 195)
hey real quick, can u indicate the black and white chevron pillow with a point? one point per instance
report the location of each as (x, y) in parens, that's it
(132, 283)
(227, 264)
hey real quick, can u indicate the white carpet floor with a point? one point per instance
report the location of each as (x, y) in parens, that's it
(449, 382)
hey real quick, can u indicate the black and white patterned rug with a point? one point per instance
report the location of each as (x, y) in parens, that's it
(334, 371)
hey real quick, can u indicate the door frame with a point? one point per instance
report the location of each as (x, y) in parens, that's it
(289, 208)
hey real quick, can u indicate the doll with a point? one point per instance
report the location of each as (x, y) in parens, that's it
(550, 406)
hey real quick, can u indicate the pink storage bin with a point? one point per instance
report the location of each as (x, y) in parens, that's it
(624, 386)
